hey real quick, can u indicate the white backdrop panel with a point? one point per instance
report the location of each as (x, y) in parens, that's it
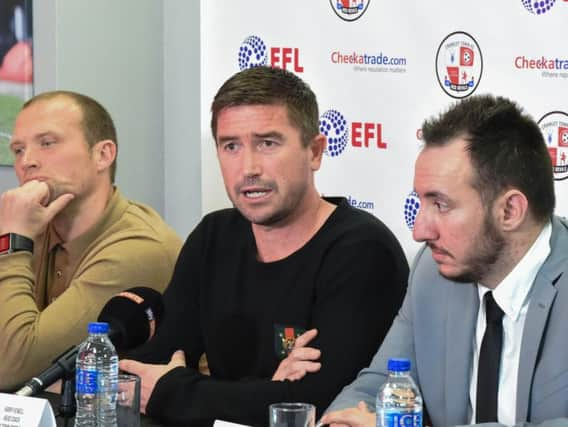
(310, 37)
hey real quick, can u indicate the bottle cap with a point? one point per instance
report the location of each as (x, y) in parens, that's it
(98, 328)
(399, 365)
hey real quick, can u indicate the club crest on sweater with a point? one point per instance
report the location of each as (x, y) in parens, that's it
(285, 338)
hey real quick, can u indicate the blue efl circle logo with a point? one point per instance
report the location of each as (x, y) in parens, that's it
(252, 53)
(538, 7)
(333, 125)
(411, 208)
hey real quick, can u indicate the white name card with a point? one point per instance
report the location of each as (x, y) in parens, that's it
(220, 423)
(21, 411)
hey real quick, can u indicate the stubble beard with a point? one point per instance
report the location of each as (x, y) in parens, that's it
(484, 257)
(282, 213)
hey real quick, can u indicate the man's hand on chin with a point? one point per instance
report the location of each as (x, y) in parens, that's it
(26, 210)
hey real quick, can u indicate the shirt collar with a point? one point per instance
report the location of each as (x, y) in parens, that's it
(114, 209)
(511, 294)
(52, 237)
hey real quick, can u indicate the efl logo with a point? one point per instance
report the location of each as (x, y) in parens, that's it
(459, 64)
(253, 53)
(554, 128)
(539, 7)
(349, 10)
(411, 208)
(334, 126)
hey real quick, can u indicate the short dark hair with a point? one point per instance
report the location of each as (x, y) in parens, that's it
(506, 148)
(96, 122)
(270, 86)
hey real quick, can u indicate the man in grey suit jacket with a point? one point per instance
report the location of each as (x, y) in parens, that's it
(486, 190)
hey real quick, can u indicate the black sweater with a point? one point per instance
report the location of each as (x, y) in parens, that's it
(348, 281)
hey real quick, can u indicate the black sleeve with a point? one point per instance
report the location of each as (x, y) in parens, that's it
(180, 327)
(358, 293)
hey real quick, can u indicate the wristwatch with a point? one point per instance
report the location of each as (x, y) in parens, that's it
(12, 242)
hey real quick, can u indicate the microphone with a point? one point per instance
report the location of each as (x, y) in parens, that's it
(133, 316)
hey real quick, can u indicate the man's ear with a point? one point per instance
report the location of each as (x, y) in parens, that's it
(105, 153)
(511, 209)
(317, 147)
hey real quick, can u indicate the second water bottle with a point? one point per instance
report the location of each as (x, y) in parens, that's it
(399, 403)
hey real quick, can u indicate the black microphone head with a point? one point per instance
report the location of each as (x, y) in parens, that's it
(133, 316)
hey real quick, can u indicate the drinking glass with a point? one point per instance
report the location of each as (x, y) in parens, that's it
(292, 415)
(128, 400)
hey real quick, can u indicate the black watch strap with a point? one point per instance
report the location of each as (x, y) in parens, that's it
(12, 242)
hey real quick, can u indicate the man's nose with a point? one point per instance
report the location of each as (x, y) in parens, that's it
(424, 229)
(251, 163)
(29, 159)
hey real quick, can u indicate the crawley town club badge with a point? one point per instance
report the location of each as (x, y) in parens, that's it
(554, 128)
(285, 338)
(459, 64)
(349, 10)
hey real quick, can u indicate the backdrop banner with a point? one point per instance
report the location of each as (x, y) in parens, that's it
(379, 68)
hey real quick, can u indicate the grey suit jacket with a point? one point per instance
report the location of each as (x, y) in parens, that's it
(435, 329)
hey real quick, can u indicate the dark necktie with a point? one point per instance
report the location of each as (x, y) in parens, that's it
(489, 361)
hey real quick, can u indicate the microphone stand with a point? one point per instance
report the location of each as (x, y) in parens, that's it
(67, 406)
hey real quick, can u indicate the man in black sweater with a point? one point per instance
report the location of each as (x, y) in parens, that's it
(285, 268)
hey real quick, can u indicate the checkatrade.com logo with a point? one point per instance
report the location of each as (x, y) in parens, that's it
(372, 62)
(361, 204)
(548, 67)
(358, 134)
(253, 52)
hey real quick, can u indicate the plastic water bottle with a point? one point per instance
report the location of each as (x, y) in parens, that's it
(96, 379)
(399, 403)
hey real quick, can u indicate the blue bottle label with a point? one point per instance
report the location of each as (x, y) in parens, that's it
(402, 419)
(86, 381)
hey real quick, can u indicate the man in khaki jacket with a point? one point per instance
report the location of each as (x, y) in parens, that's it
(69, 240)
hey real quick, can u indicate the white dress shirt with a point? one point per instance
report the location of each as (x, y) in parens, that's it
(513, 296)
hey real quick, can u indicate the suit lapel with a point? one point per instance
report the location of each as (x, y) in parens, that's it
(463, 304)
(542, 298)
(537, 313)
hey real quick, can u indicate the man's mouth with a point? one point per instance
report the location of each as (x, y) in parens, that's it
(255, 194)
(255, 190)
(35, 178)
(438, 253)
